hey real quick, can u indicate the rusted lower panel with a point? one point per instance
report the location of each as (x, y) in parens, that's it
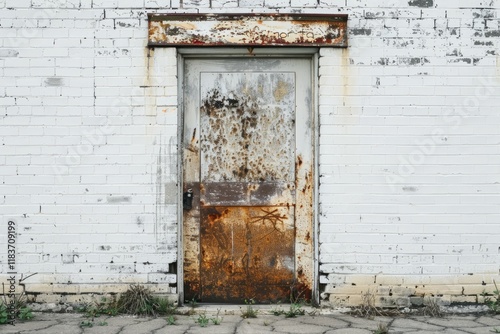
(247, 253)
(247, 30)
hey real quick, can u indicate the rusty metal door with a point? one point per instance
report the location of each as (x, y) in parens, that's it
(248, 158)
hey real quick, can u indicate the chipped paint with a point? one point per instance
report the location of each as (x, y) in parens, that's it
(247, 30)
(421, 3)
(54, 82)
(118, 199)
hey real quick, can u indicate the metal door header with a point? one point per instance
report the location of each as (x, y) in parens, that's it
(247, 30)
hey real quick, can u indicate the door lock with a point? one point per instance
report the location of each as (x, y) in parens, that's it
(187, 199)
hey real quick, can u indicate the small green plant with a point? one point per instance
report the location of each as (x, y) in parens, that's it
(381, 329)
(164, 306)
(170, 320)
(495, 330)
(16, 307)
(294, 311)
(249, 312)
(25, 314)
(90, 310)
(4, 317)
(217, 320)
(202, 320)
(87, 324)
(103, 323)
(192, 303)
(102, 307)
(493, 302)
(277, 311)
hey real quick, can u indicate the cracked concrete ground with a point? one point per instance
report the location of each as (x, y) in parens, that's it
(232, 322)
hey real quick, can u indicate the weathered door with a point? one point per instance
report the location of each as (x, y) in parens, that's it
(247, 156)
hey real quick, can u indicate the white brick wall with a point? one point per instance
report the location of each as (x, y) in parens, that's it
(409, 141)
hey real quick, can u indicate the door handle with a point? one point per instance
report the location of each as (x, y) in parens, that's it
(187, 199)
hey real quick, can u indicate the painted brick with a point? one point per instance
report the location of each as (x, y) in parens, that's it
(403, 113)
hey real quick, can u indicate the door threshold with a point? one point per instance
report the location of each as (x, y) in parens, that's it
(239, 309)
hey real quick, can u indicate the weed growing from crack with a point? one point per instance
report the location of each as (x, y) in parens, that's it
(4, 317)
(249, 312)
(296, 302)
(139, 300)
(493, 302)
(432, 308)
(217, 320)
(170, 320)
(87, 324)
(202, 320)
(278, 310)
(192, 305)
(17, 308)
(164, 306)
(367, 309)
(102, 307)
(25, 313)
(381, 329)
(294, 311)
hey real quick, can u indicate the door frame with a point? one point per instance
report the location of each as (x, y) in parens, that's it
(282, 52)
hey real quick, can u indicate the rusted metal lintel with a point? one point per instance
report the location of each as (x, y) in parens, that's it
(247, 30)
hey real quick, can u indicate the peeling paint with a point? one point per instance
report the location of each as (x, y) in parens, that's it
(54, 82)
(248, 30)
(118, 199)
(421, 3)
(5, 53)
(361, 31)
(492, 33)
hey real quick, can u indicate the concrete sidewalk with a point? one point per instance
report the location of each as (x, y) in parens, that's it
(232, 322)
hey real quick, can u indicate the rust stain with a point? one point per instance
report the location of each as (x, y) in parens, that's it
(246, 237)
(248, 30)
(299, 161)
(281, 90)
(193, 138)
(246, 253)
